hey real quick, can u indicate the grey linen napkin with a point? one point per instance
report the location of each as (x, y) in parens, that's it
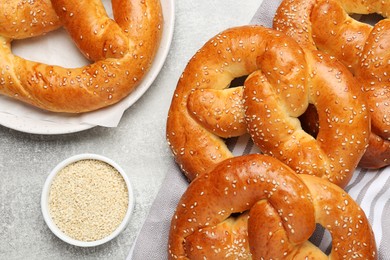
(371, 189)
(152, 241)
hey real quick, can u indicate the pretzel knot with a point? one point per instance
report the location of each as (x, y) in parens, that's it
(122, 51)
(284, 79)
(255, 207)
(364, 49)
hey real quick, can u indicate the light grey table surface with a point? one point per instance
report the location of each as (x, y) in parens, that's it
(138, 144)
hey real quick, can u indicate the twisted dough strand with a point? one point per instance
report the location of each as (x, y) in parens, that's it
(203, 109)
(97, 85)
(343, 118)
(21, 19)
(364, 49)
(280, 211)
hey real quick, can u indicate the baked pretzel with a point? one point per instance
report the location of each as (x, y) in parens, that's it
(364, 49)
(122, 50)
(285, 79)
(21, 19)
(280, 210)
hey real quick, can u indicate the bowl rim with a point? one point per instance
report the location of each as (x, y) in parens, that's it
(45, 200)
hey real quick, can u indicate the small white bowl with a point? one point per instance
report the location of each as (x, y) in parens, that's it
(45, 201)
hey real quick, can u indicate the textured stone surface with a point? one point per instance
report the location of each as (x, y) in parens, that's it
(138, 145)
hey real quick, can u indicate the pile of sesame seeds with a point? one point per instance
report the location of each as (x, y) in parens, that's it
(88, 200)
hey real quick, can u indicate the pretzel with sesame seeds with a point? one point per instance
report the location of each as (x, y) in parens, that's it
(284, 80)
(27, 18)
(255, 207)
(364, 49)
(122, 51)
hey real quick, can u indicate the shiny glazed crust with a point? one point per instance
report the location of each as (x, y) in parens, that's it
(364, 49)
(280, 209)
(284, 79)
(21, 19)
(122, 50)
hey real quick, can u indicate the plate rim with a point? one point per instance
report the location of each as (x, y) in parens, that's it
(29, 125)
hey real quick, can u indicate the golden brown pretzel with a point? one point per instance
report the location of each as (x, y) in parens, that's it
(301, 77)
(21, 19)
(364, 49)
(124, 52)
(273, 105)
(280, 211)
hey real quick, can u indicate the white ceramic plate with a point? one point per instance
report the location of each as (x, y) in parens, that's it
(64, 123)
